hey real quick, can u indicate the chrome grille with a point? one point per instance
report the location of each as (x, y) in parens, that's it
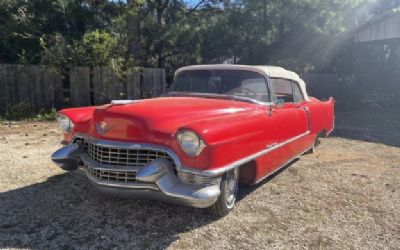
(123, 156)
(107, 175)
(82, 142)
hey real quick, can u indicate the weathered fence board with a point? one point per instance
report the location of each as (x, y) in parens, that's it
(80, 86)
(12, 88)
(133, 86)
(42, 92)
(52, 82)
(3, 89)
(106, 85)
(151, 82)
(24, 90)
(57, 85)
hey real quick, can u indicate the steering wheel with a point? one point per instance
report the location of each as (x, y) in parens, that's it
(244, 90)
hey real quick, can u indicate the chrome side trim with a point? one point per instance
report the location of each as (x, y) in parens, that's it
(308, 118)
(123, 102)
(217, 96)
(240, 162)
(281, 166)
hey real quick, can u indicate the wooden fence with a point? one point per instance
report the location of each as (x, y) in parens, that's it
(40, 88)
(356, 91)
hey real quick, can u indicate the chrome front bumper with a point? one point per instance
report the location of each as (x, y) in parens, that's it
(155, 181)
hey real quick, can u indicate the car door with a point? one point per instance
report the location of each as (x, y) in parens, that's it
(291, 118)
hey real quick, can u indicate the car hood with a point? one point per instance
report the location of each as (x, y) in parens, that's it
(151, 119)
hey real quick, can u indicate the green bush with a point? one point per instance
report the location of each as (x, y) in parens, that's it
(46, 115)
(17, 112)
(23, 111)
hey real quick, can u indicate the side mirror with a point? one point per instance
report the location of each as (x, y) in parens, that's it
(279, 102)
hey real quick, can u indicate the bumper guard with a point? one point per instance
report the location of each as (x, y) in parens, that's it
(155, 181)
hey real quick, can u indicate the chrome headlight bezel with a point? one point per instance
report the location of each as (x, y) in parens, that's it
(65, 123)
(190, 142)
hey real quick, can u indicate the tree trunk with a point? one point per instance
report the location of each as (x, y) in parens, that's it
(265, 16)
(160, 44)
(134, 46)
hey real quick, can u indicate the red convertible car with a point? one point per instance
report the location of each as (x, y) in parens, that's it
(217, 126)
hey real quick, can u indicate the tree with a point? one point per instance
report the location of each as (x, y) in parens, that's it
(171, 33)
(133, 27)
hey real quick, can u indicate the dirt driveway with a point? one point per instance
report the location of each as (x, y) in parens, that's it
(345, 196)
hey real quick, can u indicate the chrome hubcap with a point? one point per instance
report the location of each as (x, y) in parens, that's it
(231, 187)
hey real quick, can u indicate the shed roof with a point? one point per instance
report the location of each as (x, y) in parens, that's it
(382, 27)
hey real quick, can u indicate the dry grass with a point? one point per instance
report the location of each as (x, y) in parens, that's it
(345, 196)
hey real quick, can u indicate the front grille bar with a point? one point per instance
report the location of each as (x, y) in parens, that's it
(120, 158)
(107, 175)
(123, 156)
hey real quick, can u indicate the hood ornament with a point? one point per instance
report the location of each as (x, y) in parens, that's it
(103, 127)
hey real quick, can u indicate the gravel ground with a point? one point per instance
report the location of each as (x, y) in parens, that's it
(345, 196)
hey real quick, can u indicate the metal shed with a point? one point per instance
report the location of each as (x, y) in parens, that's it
(382, 27)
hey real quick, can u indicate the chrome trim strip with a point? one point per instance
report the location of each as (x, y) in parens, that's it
(240, 162)
(123, 102)
(217, 96)
(308, 117)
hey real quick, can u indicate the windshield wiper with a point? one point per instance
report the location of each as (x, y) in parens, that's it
(212, 96)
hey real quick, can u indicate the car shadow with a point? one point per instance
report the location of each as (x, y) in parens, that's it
(65, 212)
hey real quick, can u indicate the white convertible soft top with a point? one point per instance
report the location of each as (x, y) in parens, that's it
(268, 71)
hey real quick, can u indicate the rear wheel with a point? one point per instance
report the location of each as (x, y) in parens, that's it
(226, 201)
(315, 145)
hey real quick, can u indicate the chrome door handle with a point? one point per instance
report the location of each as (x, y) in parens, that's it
(272, 145)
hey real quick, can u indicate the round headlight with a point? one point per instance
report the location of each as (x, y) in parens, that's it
(65, 123)
(190, 143)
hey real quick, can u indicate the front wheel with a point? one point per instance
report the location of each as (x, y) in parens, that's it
(226, 201)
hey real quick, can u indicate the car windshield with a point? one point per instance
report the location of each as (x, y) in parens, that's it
(236, 83)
